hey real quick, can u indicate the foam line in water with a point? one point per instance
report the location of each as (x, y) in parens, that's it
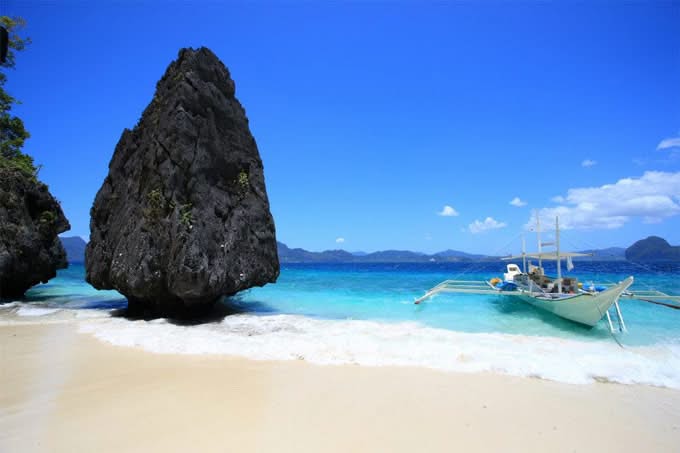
(292, 337)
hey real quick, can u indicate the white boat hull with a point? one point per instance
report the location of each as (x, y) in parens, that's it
(584, 308)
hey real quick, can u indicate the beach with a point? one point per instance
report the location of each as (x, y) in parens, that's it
(64, 390)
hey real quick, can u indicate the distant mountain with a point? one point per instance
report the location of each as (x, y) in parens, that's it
(393, 256)
(458, 254)
(607, 254)
(75, 248)
(653, 248)
(298, 255)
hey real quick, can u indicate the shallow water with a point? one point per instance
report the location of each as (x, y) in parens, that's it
(364, 313)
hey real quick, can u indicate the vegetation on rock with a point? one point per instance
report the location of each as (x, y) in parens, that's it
(13, 134)
(30, 217)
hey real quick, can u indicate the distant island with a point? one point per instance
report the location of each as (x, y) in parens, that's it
(653, 248)
(299, 255)
(75, 248)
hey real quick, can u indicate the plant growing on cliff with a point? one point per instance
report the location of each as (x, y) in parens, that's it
(47, 222)
(13, 134)
(185, 215)
(156, 204)
(243, 183)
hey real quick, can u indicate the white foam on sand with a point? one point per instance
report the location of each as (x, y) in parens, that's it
(332, 342)
(27, 310)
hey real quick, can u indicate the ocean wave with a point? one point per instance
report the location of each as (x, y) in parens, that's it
(337, 342)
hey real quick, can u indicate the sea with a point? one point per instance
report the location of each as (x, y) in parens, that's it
(364, 314)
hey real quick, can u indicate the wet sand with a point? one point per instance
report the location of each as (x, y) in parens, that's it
(61, 390)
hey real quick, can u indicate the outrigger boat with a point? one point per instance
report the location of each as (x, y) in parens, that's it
(562, 296)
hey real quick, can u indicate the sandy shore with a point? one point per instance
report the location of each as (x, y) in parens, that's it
(61, 390)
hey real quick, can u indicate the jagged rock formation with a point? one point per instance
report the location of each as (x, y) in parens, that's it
(653, 248)
(183, 216)
(30, 220)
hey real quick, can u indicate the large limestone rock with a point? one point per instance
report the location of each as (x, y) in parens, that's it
(183, 216)
(30, 220)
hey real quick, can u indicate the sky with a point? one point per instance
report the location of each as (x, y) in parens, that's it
(387, 125)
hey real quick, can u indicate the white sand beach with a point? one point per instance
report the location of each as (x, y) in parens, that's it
(66, 391)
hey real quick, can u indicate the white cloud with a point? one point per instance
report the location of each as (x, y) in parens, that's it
(517, 202)
(448, 211)
(669, 143)
(488, 224)
(588, 163)
(557, 199)
(651, 197)
(339, 240)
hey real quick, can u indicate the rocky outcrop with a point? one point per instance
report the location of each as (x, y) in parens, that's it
(30, 220)
(653, 248)
(183, 216)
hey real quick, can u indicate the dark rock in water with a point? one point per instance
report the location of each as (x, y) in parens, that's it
(75, 248)
(183, 216)
(653, 248)
(30, 220)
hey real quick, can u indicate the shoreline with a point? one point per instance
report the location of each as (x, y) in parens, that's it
(67, 391)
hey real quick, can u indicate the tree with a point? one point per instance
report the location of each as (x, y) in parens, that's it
(13, 134)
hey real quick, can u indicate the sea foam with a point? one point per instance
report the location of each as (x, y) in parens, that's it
(336, 342)
(35, 311)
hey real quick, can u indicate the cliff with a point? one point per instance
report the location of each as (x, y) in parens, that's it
(183, 216)
(30, 220)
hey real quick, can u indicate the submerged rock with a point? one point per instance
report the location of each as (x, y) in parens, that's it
(30, 220)
(183, 216)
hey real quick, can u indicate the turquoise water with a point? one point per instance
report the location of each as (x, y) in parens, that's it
(364, 313)
(385, 293)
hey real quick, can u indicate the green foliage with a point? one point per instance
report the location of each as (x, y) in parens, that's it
(47, 218)
(185, 215)
(157, 204)
(47, 223)
(13, 134)
(16, 42)
(21, 162)
(243, 179)
(243, 183)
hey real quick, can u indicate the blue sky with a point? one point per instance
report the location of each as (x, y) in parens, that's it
(371, 118)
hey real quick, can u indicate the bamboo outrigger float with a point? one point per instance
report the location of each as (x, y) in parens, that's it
(562, 296)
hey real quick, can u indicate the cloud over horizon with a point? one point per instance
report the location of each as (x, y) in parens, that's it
(651, 198)
(488, 224)
(587, 163)
(518, 202)
(339, 240)
(448, 211)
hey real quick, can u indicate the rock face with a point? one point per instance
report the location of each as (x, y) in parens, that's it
(183, 216)
(30, 220)
(653, 248)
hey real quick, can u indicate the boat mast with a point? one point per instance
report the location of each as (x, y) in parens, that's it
(559, 261)
(524, 255)
(538, 236)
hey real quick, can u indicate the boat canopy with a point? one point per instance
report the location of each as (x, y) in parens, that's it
(547, 255)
